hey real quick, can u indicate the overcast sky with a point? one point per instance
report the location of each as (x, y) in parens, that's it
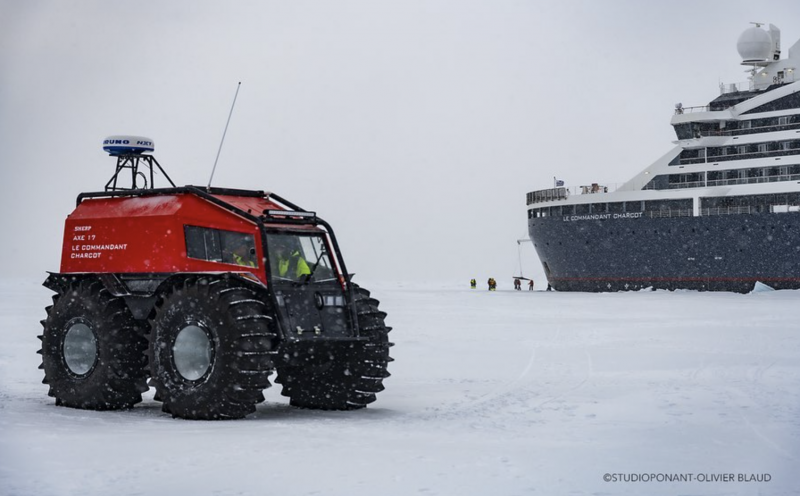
(414, 127)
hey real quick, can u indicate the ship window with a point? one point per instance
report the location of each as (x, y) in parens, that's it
(663, 205)
(732, 174)
(633, 206)
(745, 125)
(568, 210)
(616, 207)
(741, 150)
(216, 245)
(784, 120)
(598, 208)
(582, 208)
(761, 148)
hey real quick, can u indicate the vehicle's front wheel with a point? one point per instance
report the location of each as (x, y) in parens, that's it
(341, 376)
(93, 349)
(211, 346)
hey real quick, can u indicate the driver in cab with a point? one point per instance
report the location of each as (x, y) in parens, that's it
(289, 263)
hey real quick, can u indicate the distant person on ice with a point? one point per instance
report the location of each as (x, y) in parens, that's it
(530, 285)
(492, 284)
(517, 284)
(473, 283)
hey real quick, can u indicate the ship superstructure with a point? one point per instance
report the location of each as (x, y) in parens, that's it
(719, 211)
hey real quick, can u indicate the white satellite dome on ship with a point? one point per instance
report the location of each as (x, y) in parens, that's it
(757, 46)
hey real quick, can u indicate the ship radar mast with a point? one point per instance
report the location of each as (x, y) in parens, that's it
(130, 153)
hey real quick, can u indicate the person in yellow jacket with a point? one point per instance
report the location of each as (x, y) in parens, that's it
(243, 256)
(290, 264)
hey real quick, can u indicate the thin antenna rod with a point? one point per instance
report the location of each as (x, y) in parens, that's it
(223, 135)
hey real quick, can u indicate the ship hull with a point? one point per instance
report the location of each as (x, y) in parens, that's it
(705, 253)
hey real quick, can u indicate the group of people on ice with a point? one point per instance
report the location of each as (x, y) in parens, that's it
(493, 284)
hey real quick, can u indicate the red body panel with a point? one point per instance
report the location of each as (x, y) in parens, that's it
(146, 234)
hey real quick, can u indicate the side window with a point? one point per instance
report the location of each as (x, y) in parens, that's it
(216, 245)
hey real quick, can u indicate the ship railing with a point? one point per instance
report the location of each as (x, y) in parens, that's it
(549, 194)
(689, 110)
(562, 193)
(752, 130)
(750, 209)
(724, 89)
(687, 212)
(726, 210)
(689, 184)
(753, 180)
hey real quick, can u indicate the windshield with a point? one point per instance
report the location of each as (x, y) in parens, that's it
(299, 257)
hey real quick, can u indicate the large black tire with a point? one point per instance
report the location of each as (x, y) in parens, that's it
(93, 349)
(220, 364)
(338, 376)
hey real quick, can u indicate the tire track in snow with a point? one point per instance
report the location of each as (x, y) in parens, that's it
(514, 395)
(589, 374)
(755, 380)
(486, 402)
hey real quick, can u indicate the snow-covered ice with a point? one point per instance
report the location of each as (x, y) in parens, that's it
(504, 393)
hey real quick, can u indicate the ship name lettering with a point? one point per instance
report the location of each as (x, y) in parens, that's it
(626, 215)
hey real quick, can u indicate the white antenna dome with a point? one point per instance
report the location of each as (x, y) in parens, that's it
(754, 45)
(127, 145)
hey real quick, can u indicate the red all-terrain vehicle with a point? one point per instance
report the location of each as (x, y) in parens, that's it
(207, 292)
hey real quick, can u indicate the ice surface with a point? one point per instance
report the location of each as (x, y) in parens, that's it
(502, 393)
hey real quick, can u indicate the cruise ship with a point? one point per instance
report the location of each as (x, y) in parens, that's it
(718, 212)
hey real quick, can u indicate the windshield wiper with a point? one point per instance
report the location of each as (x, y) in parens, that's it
(316, 264)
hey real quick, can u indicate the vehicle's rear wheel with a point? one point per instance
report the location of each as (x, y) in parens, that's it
(211, 346)
(342, 376)
(93, 349)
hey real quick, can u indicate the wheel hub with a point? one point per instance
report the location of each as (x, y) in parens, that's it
(192, 352)
(80, 349)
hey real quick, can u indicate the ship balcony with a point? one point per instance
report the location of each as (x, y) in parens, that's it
(562, 193)
(738, 152)
(546, 195)
(750, 130)
(731, 177)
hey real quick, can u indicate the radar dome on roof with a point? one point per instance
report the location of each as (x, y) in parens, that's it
(127, 145)
(754, 45)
